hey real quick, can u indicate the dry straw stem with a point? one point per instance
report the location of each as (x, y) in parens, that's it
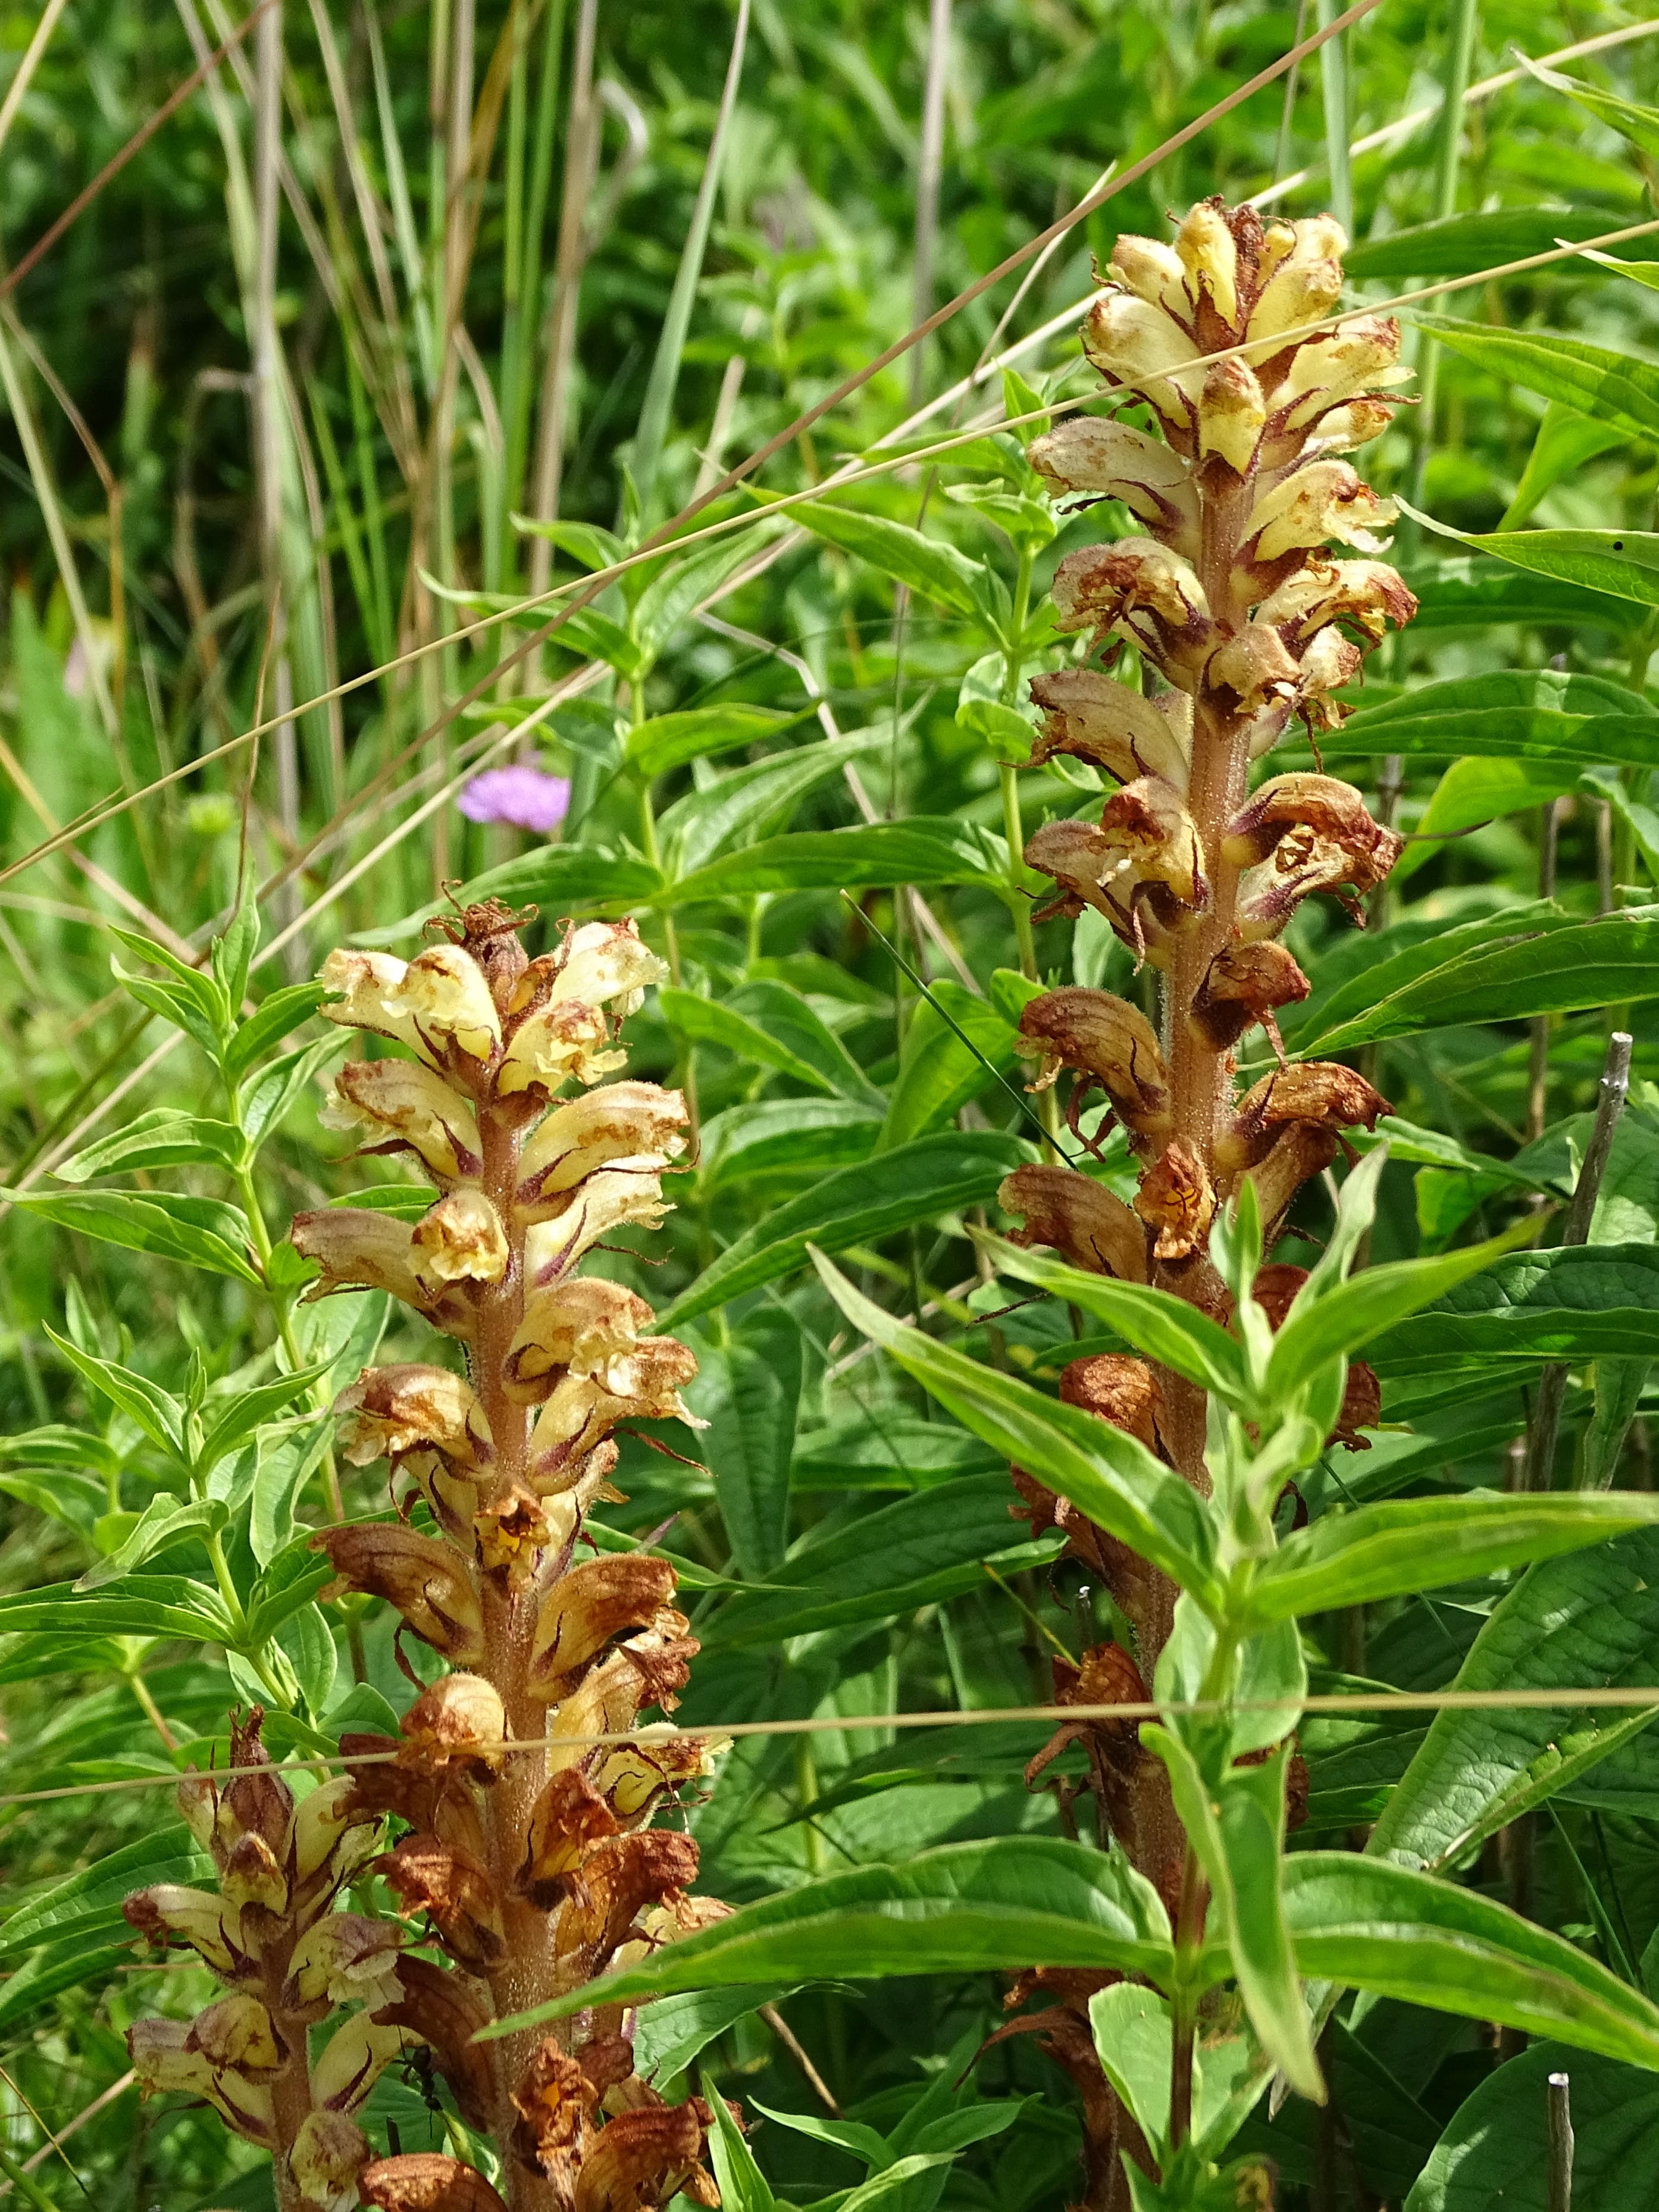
(1335, 1703)
(588, 588)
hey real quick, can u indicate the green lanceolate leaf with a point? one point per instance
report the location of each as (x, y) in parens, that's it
(149, 1605)
(1236, 1827)
(1614, 387)
(935, 570)
(1572, 1303)
(1371, 1926)
(1541, 717)
(968, 1908)
(772, 1026)
(162, 1138)
(1463, 594)
(198, 1232)
(800, 1138)
(89, 1902)
(235, 1421)
(749, 801)
(914, 1182)
(921, 851)
(164, 1522)
(921, 1550)
(1370, 965)
(1561, 970)
(666, 741)
(1462, 245)
(1475, 791)
(156, 1411)
(1420, 1543)
(946, 1062)
(1165, 1328)
(267, 1026)
(1623, 563)
(1349, 1315)
(748, 1388)
(1589, 1621)
(1109, 1475)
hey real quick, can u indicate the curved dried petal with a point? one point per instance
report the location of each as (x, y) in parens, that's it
(407, 1107)
(1241, 986)
(555, 2101)
(1148, 824)
(585, 1323)
(453, 1889)
(329, 2154)
(1329, 809)
(1367, 593)
(598, 962)
(1095, 455)
(1123, 1391)
(445, 2011)
(1091, 716)
(1362, 357)
(628, 1192)
(619, 1878)
(631, 1777)
(1106, 1038)
(426, 2181)
(425, 1580)
(1100, 585)
(1175, 1199)
(581, 1411)
(1300, 1151)
(236, 2036)
(1152, 271)
(1077, 1216)
(1132, 342)
(1319, 1092)
(568, 1818)
(585, 1608)
(640, 1122)
(1321, 501)
(358, 1249)
(641, 2159)
(458, 1721)
(444, 991)
(169, 1911)
(460, 1240)
(392, 1409)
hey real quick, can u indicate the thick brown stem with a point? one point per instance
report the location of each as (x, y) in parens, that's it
(290, 2092)
(524, 1974)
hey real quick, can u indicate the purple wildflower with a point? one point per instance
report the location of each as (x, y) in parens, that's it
(522, 797)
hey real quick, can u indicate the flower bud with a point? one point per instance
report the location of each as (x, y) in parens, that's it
(635, 1122)
(407, 1107)
(1207, 249)
(1303, 288)
(1077, 1216)
(364, 979)
(1175, 1199)
(164, 2057)
(583, 1323)
(1107, 1039)
(596, 961)
(460, 1240)
(353, 2060)
(1118, 1389)
(1232, 414)
(1091, 716)
(1320, 500)
(392, 1409)
(1241, 986)
(1130, 342)
(427, 1580)
(236, 2036)
(329, 2154)
(443, 992)
(327, 1831)
(458, 1723)
(1152, 271)
(453, 1889)
(211, 1926)
(1094, 455)
(346, 1958)
(589, 1606)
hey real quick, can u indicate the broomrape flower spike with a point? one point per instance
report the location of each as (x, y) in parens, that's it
(1250, 623)
(531, 1869)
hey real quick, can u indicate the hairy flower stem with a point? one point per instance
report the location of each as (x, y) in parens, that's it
(1189, 1937)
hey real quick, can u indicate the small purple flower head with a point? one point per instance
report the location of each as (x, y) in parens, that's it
(522, 797)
